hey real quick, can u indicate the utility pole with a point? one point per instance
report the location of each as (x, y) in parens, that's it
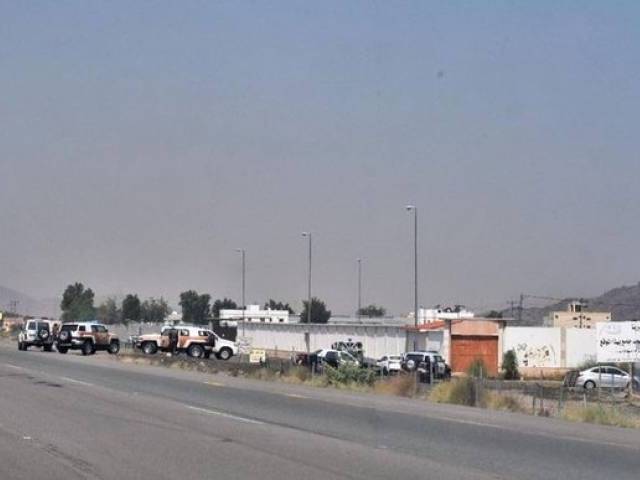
(244, 305)
(512, 303)
(520, 306)
(359, 288)
(308, 235)
(415, 261)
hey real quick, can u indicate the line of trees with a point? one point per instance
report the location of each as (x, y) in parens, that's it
(77, 305)
(372, 311)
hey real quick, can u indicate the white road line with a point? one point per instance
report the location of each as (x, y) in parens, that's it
(79, 382)
(294, 395)
(225, 415)
(14, 366)
(214, 384)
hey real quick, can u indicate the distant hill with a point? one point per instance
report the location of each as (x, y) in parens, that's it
(622, 302)
(27, 305)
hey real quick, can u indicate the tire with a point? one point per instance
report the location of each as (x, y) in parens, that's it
(47, 348)
(195, 351)
(225, 354)
(65, 336)
(149, 348)
(589, 385)
(43, 334)
(62, 350)
(88, 349)
(114, 348)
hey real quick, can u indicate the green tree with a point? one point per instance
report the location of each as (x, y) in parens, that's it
(510, 365)
(372, 311)
(224, 304)
(131, 309)
(319, 312)
(273, 305)
(154, 310)
(108, 312)
(493, 314)
(195, 308)
(77, 304)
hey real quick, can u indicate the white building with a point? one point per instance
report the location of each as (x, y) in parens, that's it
(430, 315)
(253, 314)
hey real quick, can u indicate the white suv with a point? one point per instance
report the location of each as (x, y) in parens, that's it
(197, 341)
(37, 333)
(88, 337)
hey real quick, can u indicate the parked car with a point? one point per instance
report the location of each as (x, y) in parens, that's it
(390, 364)
(428, 361)
(196, 341)
(334, 358)
(88, 337)
(611, 377)
(38, 333)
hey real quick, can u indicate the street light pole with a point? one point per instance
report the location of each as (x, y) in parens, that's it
(244, 305)
(415, 261)
(308, 235)
(358, 313)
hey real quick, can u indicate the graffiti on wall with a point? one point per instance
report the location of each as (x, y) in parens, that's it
(535, 355)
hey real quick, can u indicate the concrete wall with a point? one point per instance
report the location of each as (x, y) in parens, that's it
(581, 346)
(550, 347)
(534, 346)
(378, 340)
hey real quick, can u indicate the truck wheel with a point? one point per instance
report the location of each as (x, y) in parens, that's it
(62, 350)
(195, 351)
(225, 354)
(87, 348)
(114, 348)
(149, 348)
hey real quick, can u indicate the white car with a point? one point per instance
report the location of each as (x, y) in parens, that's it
(390, 364)
(611, 377)
(38, 333)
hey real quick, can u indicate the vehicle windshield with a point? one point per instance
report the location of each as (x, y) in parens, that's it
(69, 328)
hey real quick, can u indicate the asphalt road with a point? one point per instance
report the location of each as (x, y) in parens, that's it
(68, 417)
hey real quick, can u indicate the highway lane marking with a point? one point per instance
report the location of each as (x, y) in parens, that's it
(79, 382)
(225, 415)
(514, 430)
(295, 395)
(214, 384)
(14, 366)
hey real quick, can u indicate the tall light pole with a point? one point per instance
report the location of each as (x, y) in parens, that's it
(308, 235)
(415, 261)
(359, 288)
(244, 305)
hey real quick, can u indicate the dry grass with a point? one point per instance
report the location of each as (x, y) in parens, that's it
(400, 385)
(459, 391)
(600, 415)
(504, 402)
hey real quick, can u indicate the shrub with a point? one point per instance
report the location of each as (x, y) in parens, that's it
(460, 391)
(346, 374)
(301, 374)
(477, 369)
(510, 365)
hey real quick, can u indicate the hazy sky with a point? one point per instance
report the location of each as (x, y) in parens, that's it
(142, 142)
